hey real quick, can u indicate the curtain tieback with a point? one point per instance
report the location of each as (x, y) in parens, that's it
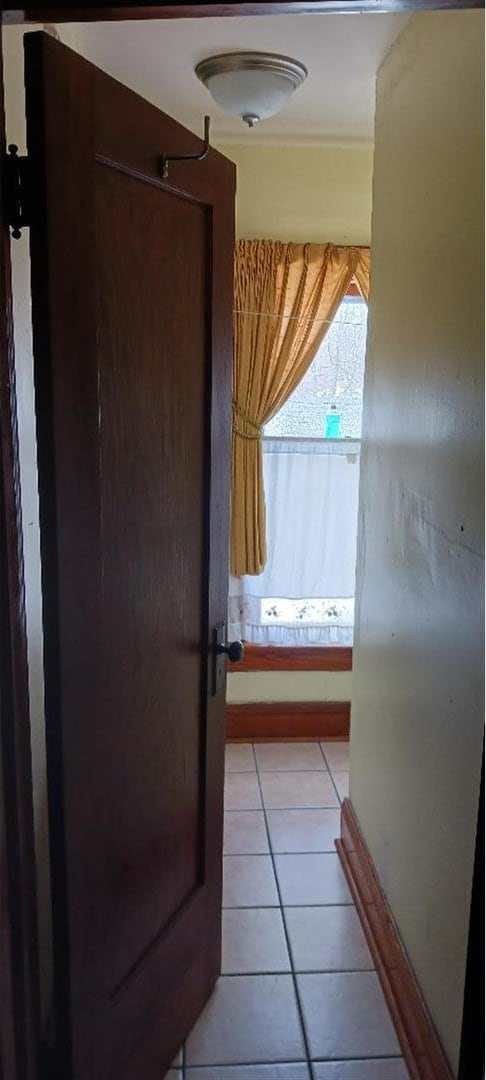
(248, 421)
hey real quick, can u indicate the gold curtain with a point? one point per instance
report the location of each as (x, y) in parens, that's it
(286, 296)
(361, 272)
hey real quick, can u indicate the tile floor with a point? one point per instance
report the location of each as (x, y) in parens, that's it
(298, 998)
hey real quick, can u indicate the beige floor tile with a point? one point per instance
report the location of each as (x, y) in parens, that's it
(346, 1016)
(303, 830)
(239, 757)
(173, 1074)
(253, 941)
(177, 1062)
(327, 939)
(249, 881)
(289, 756)
(297, 789)
(312, 879)
(251, 1072)
(249, 1018)
(242, 791)
(336, 755)
(245, 833)
(341, 780)
(386, 1069)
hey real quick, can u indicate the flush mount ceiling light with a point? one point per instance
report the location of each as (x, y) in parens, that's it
(251, 85)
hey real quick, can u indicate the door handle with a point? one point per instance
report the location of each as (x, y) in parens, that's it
(235, 650)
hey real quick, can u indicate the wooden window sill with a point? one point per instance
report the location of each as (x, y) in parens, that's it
(295, 658)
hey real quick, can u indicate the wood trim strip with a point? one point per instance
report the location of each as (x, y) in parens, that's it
(422, 1050)
(290, 658)
(288, 720)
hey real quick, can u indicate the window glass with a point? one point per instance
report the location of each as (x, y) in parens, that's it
(329, 400)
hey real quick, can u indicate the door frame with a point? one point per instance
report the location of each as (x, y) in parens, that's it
(19, 1005)
(90, 11)
(19, 1013)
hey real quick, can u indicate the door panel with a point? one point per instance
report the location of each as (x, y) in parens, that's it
(154, 442)
(132, 299)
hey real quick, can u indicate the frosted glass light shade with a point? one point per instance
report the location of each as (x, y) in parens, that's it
(251, 86)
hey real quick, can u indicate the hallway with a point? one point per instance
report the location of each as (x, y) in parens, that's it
(299, 998)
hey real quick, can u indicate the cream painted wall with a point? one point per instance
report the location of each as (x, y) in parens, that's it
(289, 686)
(303, 193)
(417, 715)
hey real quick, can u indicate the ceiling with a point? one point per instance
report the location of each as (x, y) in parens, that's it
(341, 52)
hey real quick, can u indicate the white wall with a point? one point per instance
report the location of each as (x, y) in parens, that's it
(417, 714)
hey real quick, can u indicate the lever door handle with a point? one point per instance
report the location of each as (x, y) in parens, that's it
(235, 650)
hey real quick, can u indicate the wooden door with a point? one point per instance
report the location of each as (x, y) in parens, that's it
(132, 319)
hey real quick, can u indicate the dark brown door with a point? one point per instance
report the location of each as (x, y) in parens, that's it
(132, 314)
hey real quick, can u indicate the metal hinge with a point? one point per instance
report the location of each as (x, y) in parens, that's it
(18, 203)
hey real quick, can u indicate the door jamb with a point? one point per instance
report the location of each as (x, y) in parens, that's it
(91, 11)
(19, 1015)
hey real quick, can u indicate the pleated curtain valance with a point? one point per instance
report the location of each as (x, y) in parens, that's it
(286, 296)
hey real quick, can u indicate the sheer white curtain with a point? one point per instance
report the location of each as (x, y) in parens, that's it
(305, 594)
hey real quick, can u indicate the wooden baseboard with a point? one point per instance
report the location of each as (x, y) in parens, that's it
(420, 1043)
(288, 720)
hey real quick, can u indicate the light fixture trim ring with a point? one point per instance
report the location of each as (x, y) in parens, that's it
(285, 66)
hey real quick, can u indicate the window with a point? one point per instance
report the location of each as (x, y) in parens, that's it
(334, 379)
(305, 595)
